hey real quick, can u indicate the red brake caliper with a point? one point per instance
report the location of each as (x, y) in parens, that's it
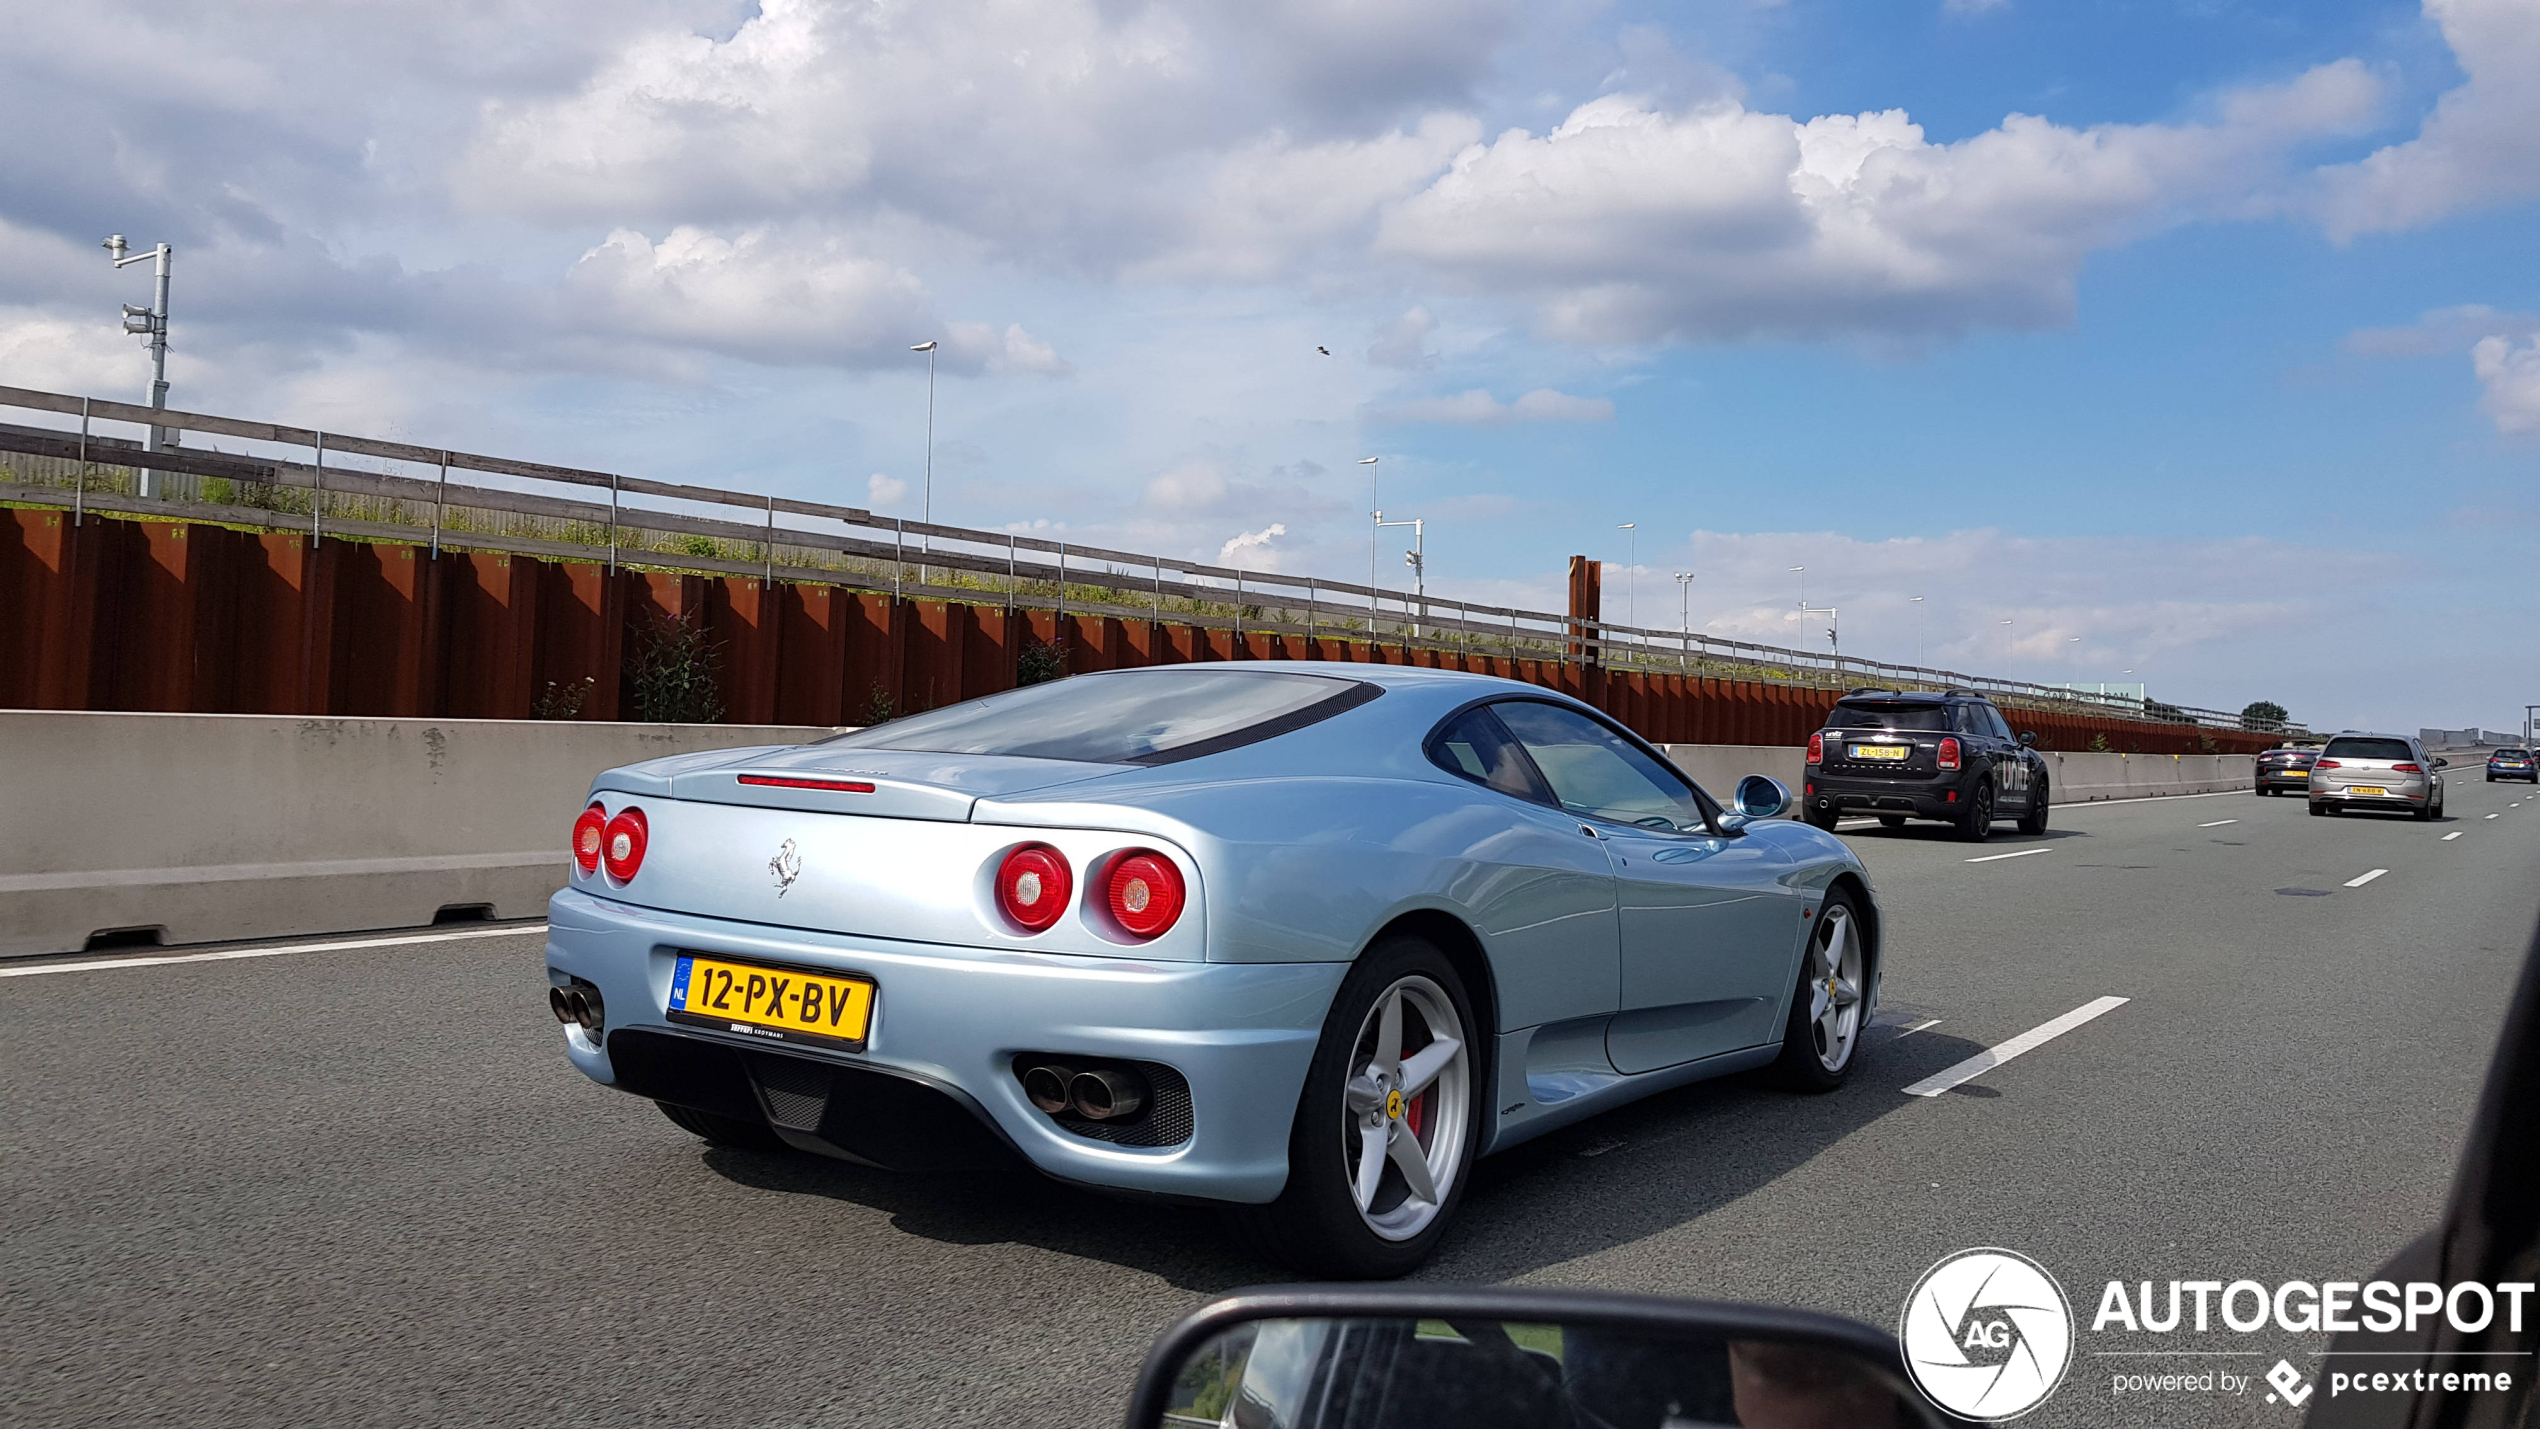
(1416, 1115)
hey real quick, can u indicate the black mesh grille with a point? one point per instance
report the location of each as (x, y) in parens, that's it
(797, 1091)
(1164, 1121)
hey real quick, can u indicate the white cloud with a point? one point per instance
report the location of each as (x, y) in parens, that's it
(1404, 342)
(1630, 224)
(2509, 374)
(1479, 408)
(1251, 551)
(55, 354)
(881, 491)
(1010, 351)
(751, 296)
(2480, 148)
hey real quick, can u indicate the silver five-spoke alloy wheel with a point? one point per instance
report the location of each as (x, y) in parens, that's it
(1405, 1106)
(1834, 987)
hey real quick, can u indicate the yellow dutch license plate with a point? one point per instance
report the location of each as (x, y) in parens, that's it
(1880, 751)
(2369, 791)
(780, 1004)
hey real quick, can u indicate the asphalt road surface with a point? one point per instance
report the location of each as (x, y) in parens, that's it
(361, 1186)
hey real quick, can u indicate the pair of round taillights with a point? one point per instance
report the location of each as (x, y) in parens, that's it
(1141, 889)
(614, 843)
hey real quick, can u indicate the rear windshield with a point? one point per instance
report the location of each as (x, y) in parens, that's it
(1123, 717)
(2358, 748)
(1883, 715)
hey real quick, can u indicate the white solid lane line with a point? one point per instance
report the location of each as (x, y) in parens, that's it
(513, 930)
(2359, 882)
(1997, 857)
(2447, 838)
(2029, 1041)
(2218, 823)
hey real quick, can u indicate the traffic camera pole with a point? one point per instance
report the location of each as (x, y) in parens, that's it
(151, 322)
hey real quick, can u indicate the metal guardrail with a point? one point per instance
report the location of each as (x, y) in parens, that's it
(364, 488)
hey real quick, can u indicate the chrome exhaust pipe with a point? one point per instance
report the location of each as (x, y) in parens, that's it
(1047, 1085)
(558, 1004)
(585, 1007)
(1107, 1094)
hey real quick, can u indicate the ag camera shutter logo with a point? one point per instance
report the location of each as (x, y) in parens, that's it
(1988, 1334)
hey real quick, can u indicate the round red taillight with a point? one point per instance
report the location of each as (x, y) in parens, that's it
(1949, 754)
(1033, 884)
(622, 843)
(1145, 893)
(586, 838)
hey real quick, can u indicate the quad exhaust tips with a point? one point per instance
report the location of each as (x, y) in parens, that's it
(578, 1006)
(1096, 1093)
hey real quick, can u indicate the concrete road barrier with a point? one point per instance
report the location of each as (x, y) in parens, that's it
(205, 828)
(187, 828)
(2074, 778)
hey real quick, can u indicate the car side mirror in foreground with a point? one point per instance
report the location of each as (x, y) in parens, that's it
(1444, 1357)
(2442, 764)
(1760, 796)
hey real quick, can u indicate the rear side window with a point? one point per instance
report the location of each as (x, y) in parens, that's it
(1146, 716)
(1476, 745)
(2357, 747)
(1882, 715)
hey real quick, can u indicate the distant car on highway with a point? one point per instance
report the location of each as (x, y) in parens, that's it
(2512, 764)
(2377, 771)
(1304, 942)
(1915, 755)
(2285, 768)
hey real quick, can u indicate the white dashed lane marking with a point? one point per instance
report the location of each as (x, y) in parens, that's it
(514, 930)
(2029, 1041)
(2456, 833)
(2218, 823)
(1998, 857)
(2362, 879)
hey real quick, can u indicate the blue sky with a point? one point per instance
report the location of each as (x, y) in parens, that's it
(2219, 366)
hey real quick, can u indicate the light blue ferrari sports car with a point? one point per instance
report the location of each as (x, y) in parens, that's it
(1300, 939)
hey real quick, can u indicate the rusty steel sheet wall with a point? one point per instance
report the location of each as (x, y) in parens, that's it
(111, 614)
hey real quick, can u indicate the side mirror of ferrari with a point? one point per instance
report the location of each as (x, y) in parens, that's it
(1760, 796)
(1317, 1357)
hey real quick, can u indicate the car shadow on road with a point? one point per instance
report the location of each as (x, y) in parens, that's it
(1661, 1163)
(1188, 1247)
(1632, 1172)
(1948, 834)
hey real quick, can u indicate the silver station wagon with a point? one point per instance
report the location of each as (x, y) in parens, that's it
(1302, 940)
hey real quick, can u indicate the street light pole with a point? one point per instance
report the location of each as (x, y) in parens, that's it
(1684, 618)
(926, 511)
(152, 322)
(1922, 624)
(1375, 535)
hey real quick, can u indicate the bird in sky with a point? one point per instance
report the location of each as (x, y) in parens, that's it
(1323, 350)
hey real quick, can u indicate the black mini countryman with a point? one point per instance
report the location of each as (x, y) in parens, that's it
(1906, 756)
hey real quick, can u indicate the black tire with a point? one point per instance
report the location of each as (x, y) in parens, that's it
(1891, 821)
(1819, 820)
(723, 1130)
(1976, 825)
(1802, 1065)
(2318, 809)
(2033, 822)
(1315, 1226)
(2266, 791)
